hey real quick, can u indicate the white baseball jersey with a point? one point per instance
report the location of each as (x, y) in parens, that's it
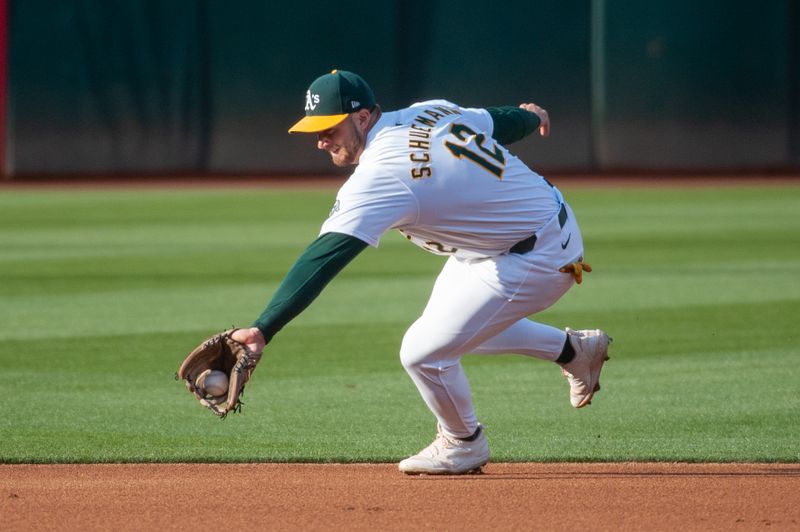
(434, 172)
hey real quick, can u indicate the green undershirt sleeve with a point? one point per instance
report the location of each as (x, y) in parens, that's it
(512, 123)
(312, 271)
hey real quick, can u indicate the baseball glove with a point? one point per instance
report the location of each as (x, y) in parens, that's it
(223, 353)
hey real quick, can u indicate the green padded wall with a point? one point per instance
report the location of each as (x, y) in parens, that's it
(107, 86)
(693, 84)
(209, 86)
(264, 56)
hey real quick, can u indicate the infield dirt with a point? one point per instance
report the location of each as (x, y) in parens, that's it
(624, 496)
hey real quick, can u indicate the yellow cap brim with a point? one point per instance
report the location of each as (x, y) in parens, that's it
(315, 124)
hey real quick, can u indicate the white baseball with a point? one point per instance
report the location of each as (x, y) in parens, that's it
(215, 383)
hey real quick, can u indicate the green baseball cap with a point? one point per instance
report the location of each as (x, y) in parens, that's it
(332, 97)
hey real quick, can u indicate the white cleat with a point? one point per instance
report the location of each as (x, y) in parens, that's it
(449, 456)
(583, 373)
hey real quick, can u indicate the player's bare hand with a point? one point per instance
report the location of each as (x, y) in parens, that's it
(251, 337)
(544, 126)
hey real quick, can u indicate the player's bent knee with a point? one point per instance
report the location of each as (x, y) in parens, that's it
(421, 348)
(411, 356)
(415, 350)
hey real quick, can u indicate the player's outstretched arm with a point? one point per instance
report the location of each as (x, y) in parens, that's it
(312, 271)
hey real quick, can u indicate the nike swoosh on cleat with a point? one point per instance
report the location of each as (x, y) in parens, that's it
(565, 244)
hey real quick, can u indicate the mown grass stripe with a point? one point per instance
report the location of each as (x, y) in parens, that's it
(103, 291)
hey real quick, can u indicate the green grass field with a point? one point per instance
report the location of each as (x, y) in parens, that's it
(102, 292)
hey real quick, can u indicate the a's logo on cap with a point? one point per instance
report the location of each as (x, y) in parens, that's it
(311, 101)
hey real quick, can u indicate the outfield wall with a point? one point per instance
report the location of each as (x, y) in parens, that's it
(209, 86)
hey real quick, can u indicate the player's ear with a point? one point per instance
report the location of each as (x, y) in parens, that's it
(362, 118)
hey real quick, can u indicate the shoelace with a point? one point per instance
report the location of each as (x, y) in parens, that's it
(577, 269)
(441, 442)
(444, 442)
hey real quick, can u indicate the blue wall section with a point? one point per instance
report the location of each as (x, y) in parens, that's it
(199, 86)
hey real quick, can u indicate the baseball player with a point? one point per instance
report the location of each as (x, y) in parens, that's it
(441, 175)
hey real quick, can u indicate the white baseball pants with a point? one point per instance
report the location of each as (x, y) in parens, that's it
(482, 307)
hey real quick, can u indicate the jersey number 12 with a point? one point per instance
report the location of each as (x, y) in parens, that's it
(492, 159)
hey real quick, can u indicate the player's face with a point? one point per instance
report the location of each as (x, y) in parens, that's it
(344, 142)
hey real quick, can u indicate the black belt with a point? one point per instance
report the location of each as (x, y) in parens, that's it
(524, 246)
